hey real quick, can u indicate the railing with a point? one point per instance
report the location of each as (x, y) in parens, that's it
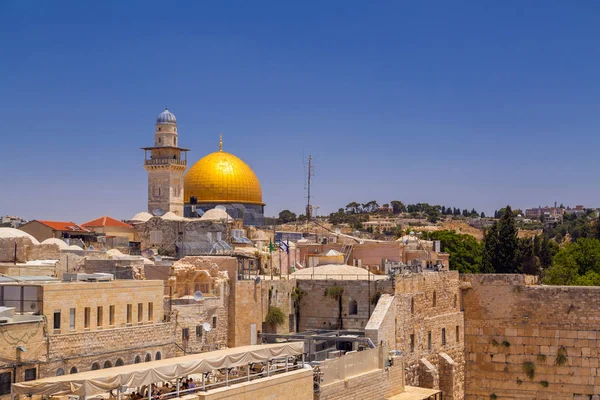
(350, 364)
(164, 161)
(230, 377)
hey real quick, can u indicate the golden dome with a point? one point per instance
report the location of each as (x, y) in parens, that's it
(221, 177)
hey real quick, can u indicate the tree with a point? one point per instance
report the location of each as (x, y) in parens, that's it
(353, 207)
(286, 216)
(465, 213)
(530, 262)
(501, 246)
(457, 211)
(371, 206)
(398, 206)
(482, 215)
(465, 251)
(578, 263)
(597, 229)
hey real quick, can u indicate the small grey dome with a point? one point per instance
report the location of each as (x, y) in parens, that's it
(166, 117)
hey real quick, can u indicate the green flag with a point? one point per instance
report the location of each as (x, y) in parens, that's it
(271, 247)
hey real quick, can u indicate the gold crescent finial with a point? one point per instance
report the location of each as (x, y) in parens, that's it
(221, 142)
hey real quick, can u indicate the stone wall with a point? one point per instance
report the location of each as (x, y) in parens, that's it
(82, 349)
(212, 310)
(526, 341)
(295, 385)
(249, 304)
(376, 385)
(381, 328)
(429, 330)
(64, 296)
(318, 311)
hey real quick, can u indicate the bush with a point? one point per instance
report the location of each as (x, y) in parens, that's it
(275, 316)
(529, 369)
(544, 383)
(561, 356)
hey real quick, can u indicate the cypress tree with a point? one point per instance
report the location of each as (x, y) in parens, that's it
(508, 244)
(490, 248)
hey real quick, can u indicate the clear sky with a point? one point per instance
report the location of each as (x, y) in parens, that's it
(465, 104)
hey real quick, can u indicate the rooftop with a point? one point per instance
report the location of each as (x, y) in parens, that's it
(105, 221)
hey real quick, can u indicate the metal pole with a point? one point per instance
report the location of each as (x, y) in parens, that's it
(268, 372)
(248, 372)
(118, 393)
(302, 360)
(226, 376)
(203, 382)
(178, 384)
(286, 364)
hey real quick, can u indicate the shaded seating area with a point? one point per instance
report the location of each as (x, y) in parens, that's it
(173, 377)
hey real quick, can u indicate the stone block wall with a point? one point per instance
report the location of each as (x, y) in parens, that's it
(249, 305)
(526, 341)
(430, 323)
(376, 385)
(318, 311)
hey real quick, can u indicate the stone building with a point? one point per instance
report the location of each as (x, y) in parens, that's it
(81, 326)
(43, 229)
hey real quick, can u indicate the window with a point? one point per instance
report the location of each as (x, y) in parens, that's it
(412, 305)
(57, 319)
(99, 317)
(434, 298)
(158, 356)
(72, 319)
(455, 301)
(175, 141)
(443, 336)
(95, 366)
(457, 334)
(107, 364)
(86, 317)
(119, 362)
(159, 139)
(155, 237)
(214, 324)
(150, 311)
(429, 340)
(30, 374)
(5, 381)
(73, 370)
(129, 312)
(412, 343)
(138, 359)
(185, 334)
(111, 315)
(140, 312)
(199, 331)
(353, 307)
(148, 357)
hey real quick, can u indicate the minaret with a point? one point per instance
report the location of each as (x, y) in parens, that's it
(165, 167)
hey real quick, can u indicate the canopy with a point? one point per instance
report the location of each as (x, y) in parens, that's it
(136, 375)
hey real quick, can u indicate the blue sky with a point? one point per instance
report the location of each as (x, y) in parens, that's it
(465, 104)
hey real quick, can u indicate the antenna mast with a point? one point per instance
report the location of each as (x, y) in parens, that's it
(310, 173)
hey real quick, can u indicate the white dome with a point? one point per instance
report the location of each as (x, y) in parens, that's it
(142, 217)
(171, 216)
(216, 214)
(74, 247)
(10, 233)
(60, 243)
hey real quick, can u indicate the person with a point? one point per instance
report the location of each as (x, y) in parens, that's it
(191, 384)
(184, 384)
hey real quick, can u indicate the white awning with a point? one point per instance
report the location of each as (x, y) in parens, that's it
(136, 375)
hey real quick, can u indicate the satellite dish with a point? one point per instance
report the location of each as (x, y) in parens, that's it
(158, 212)
(257, 280)
(411, 233)
(220, 207)
(206, 326)
(148, 253)
(198, 296)
(123, 389)
(337, 231)
(157, 258)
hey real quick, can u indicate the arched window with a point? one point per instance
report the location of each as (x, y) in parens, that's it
(119, 362)
(159, 129)
(60, 372)
(73, 370)
(455, 301)
(434, 298)
(138, 359)
(352, 307)
(158, 356)
(148, 357)
(95, 366)
(159, 140)
(412, 305)
(107, 364)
